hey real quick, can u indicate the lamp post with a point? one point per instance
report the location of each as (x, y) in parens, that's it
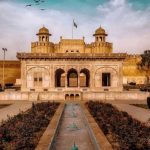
(4, 50)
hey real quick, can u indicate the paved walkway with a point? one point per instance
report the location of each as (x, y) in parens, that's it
(13, 109)
(138, 113)
(73, 129)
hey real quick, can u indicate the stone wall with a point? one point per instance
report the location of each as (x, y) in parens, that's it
(104, 96)
(131, 72)
(12, 71)
(48, 68)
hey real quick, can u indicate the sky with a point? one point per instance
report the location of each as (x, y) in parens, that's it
(127, 23)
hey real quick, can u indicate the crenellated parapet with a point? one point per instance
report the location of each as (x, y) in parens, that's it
(42, 47)
(101, 47)
(71, 46)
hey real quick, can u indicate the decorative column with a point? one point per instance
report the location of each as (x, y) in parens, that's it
(78, 78)
(52, 77)
(66, 72)
(23, 76)
(65, 79)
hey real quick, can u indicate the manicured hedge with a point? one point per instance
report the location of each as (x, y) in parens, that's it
(23, 131)
(123, 132)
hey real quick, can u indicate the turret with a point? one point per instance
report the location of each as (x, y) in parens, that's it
(100, 35)
(100, 45)
(43, 45)
(43, 35)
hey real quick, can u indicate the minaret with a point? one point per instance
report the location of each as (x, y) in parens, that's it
(100, 35)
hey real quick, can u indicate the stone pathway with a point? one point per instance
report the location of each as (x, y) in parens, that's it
(138, 113)
(13, 109)
(73, 129)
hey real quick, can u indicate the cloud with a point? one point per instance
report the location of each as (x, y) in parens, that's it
(128, 28)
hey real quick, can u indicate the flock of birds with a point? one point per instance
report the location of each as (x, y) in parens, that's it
(36, 2)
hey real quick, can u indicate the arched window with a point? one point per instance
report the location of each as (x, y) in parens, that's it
(72, 97)
(84, 78)
(100, 39)
(77, 97)
(67, 97)
(72, 78)
(43, 38)
(59, 78)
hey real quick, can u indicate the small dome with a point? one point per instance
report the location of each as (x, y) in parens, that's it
(100, 31)
(43, 30)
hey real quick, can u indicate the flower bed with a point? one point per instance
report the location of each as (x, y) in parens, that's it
(122, 131)
(24, 130)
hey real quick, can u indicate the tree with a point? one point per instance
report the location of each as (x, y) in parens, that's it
(145, 63)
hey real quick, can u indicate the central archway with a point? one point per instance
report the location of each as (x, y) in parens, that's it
(72, 78)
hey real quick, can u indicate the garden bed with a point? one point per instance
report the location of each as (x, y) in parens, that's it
(4, 105)
(24, 130)
(122, 131)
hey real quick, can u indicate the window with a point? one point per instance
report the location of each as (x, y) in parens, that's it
(35, 79)
(38, 79)
(105, 79)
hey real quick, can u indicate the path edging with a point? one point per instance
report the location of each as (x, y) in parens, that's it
(102, 141)
(47, 137)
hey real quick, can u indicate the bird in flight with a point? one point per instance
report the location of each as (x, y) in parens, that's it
(29, 5)
(36, 2)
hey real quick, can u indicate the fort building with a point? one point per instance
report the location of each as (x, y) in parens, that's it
(72, 68)
(71, 65)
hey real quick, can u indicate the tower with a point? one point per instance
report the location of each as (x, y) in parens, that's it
(100, 35)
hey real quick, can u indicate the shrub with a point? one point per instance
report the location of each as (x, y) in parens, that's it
(24, 130)
(148, 102)
(126, 132)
